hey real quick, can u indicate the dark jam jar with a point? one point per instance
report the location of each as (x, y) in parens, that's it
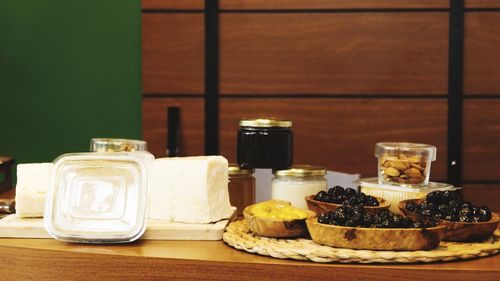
(265, 143)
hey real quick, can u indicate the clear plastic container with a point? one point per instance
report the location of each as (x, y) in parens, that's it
(297, 182)
(403, 163)
(394, 193)
(98, 197)
(117, 145)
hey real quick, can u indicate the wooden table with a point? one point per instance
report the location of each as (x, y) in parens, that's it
(47, 259)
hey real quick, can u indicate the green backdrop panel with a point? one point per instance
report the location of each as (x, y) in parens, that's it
(69, 71)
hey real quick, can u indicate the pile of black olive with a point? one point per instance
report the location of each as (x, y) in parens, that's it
(448, 205)
(356, 216)
(348, 196)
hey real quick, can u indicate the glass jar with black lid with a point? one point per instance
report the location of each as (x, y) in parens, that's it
(265, 143)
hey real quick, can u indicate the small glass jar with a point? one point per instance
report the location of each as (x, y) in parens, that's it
(265, 143)
(403, 163)
(241, 187)
(117, 145)
(297, 182)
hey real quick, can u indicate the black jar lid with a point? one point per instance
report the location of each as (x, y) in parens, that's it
(236, 170)
(265, 122)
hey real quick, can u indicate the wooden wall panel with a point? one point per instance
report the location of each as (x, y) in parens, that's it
(331, 4)
(482, 4)
(482, 53)
(173, 4)
(361, 53)
(481, 149)
(154, 124)
(340, 134)
(173, 53)
(483, 195)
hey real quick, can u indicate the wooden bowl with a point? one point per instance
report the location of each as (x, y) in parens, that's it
(322, 207)
(457, 231)
(396, 239)
(275, 227)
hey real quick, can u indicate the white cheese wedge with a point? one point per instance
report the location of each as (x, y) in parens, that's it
(190, 189)
(32, 183)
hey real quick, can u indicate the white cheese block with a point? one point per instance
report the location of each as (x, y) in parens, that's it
(190, 189)
(32, 184)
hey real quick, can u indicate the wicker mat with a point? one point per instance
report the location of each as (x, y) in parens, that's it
(238, 235)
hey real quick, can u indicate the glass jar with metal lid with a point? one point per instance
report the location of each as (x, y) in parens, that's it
(117, 145)
(297, 182)
(265, 143)
(241, 187)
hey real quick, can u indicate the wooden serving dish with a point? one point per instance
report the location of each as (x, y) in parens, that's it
(458, 231)
(396, 239)
(274, 227)
(322, 207)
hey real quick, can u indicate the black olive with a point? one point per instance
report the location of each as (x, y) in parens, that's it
(464, 211)
(321, 196)
(444, 209)
(351, 222)
(412, 206)
(324, 218)
(336, 191)
(346, 203)
(485, 213)
(368, 220)
(349, 192)
(331, 199)
(454, 203)
(435, 197)
(466, 204)
(451, 217)
(372, 201)
(438, 216)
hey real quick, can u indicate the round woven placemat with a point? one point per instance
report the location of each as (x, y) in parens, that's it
(238, 235)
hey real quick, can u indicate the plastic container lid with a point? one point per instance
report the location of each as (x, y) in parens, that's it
(394, 148)
(117, 145)
(98, 197)
(373, 182)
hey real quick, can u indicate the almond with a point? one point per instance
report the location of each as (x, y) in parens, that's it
(415, 159)
(398, 165)
(417, 167)
(413, 173)
(393, 172)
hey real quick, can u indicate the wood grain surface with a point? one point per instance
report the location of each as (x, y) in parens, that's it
(481, 138)
(331, 4)
(340, 134)
(482, 53)
(482, 3)
(154, 125)
(483, 195)
(173, 53)
(372, 53)
(173, 4)
(35, 259)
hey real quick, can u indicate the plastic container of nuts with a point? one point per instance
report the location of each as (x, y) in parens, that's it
(403, 163)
